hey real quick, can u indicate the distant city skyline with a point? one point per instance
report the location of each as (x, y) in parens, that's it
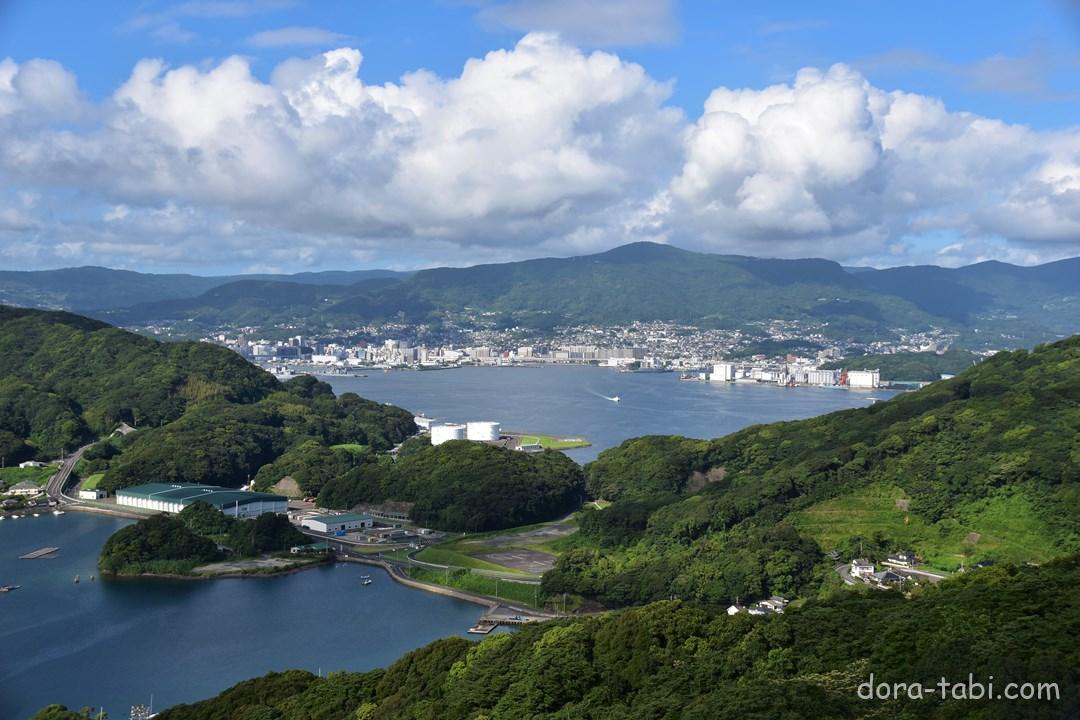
(232, 136)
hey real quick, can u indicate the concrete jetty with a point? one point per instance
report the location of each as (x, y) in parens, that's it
(37, 554)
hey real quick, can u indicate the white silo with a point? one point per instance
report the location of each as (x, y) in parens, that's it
(444, 433)
(482, 431)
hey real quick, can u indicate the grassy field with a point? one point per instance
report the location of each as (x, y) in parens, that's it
(1004, 527)
(521, 593)
(441, 555)
(553, 443)
(92, 482)
(462, 551)
(14, 475)
(355, 448)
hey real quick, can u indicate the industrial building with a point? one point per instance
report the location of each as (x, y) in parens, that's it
(863, 378)
(482, 431)
(337, 523)
(447, 432)
(723, 372)
(174, 497)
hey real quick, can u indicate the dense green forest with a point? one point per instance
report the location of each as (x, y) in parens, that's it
(679, 661)
(465, 486)
(913, 366)
(983, 466)
(65, 380)
(158, 544)
(176, 544)
(203, 414)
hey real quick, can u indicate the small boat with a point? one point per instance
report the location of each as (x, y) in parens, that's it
(9, 588)
(616, 399)
(37, 514)
(76, 579)
(365, 577)
(57, 512)
(366, 582)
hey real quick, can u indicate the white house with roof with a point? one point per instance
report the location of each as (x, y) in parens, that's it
(904, 558)
(861, 568)
(24, 489)
(774, 604)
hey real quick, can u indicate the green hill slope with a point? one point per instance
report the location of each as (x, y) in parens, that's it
(984, 466)
(203, 413)
(911, 366)
(678, 662)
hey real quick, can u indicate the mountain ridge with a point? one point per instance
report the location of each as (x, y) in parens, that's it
(636, 282)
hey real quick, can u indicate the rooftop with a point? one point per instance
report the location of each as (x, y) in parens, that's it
(186, 493)
(344, 517)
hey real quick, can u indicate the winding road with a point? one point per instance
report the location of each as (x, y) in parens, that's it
(58, 482)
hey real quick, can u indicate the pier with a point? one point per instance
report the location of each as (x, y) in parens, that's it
(38, 554)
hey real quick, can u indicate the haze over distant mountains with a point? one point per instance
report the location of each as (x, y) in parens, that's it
(641, 281)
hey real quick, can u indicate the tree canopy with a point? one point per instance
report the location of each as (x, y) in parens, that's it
(676, 660)
(466, 486)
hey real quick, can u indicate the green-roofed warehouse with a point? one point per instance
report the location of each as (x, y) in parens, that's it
(174, 497)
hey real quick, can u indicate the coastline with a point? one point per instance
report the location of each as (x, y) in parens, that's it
(398, 575)
(223, 575)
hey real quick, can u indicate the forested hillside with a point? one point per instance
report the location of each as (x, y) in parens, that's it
(66, 379)
(646, 281)
(465, 486)
(983, 466)
(910, 366)
(678, 661)
(175, 545)
(202, 413)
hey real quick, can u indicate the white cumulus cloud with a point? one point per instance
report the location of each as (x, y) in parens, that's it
(536, 149)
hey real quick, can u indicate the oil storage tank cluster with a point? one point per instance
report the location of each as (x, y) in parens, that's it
(482, 431)
(446, 432)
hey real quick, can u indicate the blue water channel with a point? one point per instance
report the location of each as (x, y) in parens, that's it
(112, 644)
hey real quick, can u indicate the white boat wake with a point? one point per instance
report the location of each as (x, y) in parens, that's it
(611, 398)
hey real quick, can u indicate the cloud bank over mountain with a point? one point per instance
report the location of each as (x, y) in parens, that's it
(542, 148)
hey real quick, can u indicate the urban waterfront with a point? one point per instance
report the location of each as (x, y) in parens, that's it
(114, 643)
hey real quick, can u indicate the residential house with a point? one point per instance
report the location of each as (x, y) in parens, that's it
(861, 568)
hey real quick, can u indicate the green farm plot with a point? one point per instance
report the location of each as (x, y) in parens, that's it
(355, 448)
(92, 482)
(509, 590)
(14, 475)
(551, 442)
(1005, 526)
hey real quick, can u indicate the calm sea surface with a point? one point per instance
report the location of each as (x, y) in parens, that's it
(112, 644)
(573, 401)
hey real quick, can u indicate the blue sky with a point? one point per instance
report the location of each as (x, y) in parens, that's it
(1013, 67)
(897, 45)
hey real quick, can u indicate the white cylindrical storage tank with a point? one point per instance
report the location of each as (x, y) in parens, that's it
(483, 431)
(443, 433)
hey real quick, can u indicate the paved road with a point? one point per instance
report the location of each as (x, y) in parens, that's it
(58, 482)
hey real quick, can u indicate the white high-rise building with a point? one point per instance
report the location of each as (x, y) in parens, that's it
(723, 372)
